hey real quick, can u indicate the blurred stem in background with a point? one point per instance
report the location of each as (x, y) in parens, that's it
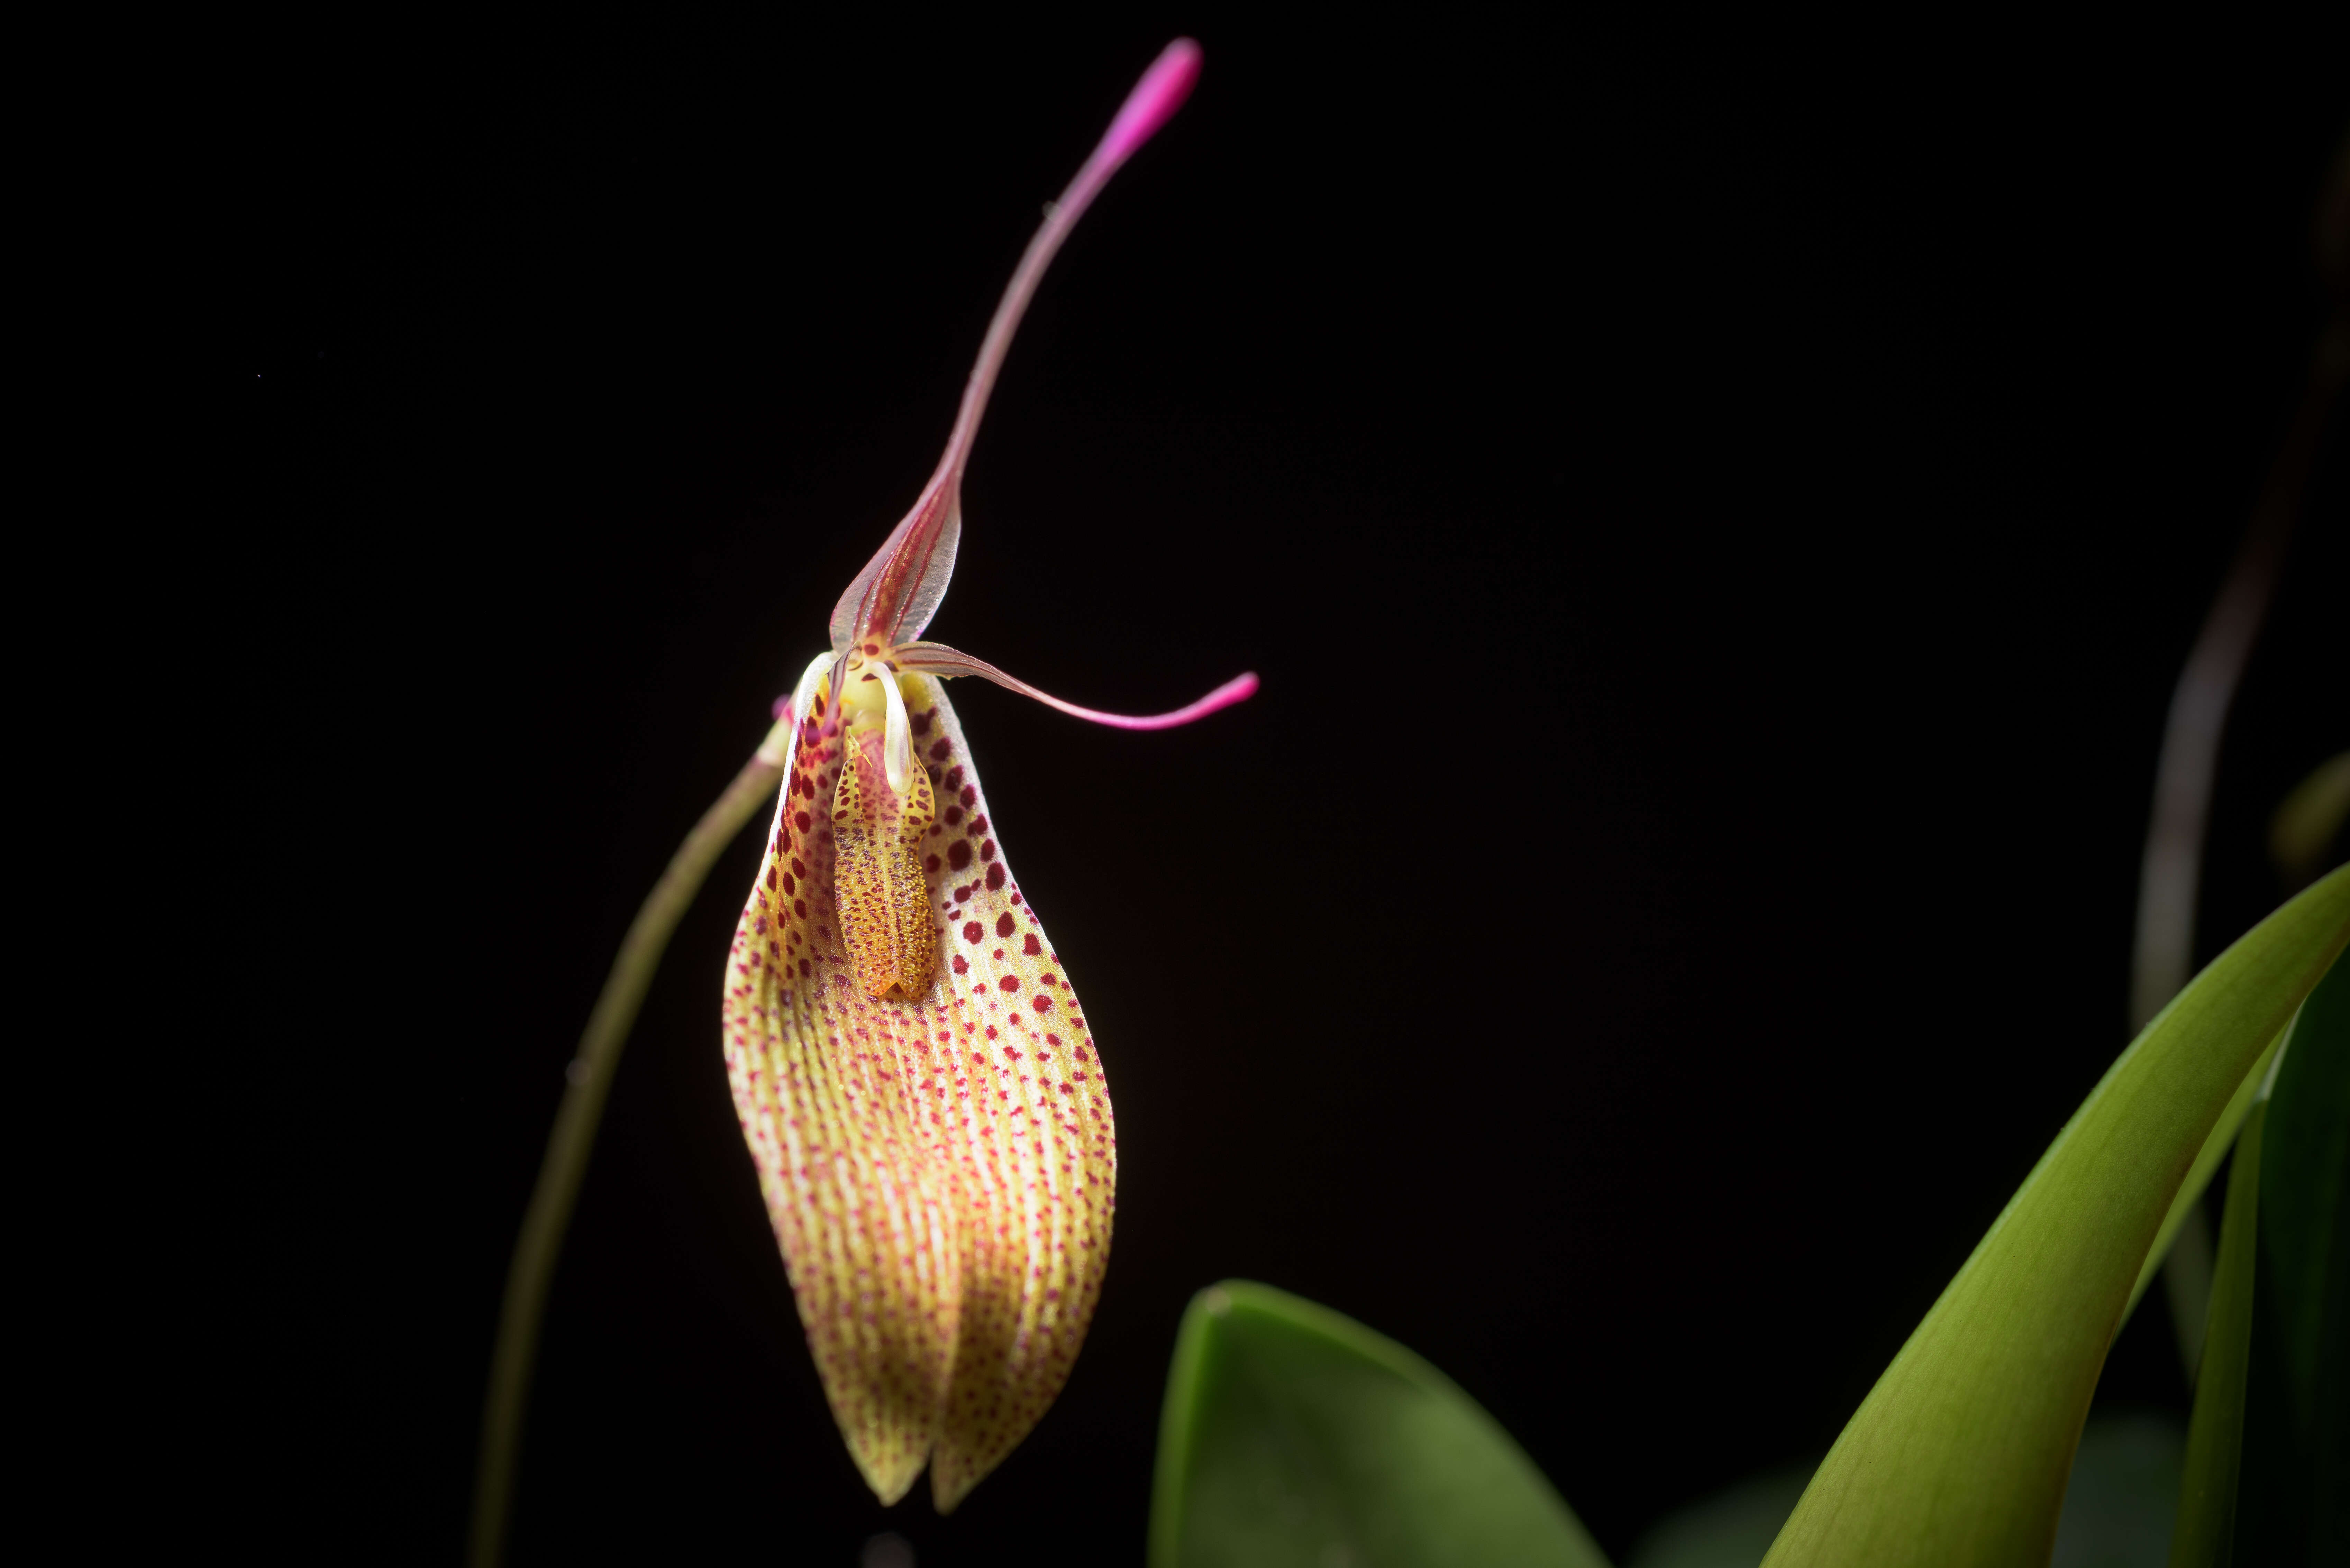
(2163, 953)
(590, 1075)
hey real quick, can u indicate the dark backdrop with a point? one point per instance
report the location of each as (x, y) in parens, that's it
(1717, 516)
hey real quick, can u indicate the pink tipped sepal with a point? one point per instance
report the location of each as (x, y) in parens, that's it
(1152, 103)
(893, 598)
(938, 659)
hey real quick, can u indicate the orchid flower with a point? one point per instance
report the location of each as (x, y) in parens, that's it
(914, 1074)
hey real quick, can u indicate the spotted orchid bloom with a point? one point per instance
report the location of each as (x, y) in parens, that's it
(915, 1077)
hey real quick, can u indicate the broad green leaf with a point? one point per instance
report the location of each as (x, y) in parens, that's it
(1293, 1435)
(2198, 1175)
(1959, 1453)
(2117, 1508)
(2295, 1500)
(2215, 1438)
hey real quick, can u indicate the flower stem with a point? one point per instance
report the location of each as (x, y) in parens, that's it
(574, 1138)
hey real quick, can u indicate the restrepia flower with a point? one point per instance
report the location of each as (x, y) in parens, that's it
(913, 1070)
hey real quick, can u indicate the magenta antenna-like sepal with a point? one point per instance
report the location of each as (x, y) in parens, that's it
(1152, 103)
(894, 598)
(938, 659)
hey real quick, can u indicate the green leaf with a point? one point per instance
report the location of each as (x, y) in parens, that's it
(1293, 1435)
(2215, 1438)
(2198, 1175)
(2118, 1506)
(2124, 1492)
(2302, 1173)
(2294, 1501)
(1959, 1453)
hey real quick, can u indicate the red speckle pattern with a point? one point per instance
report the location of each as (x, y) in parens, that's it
(879, 888)
(939, 1171)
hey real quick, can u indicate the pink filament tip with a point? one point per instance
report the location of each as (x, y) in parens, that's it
(1153, 102)
(1239, 689)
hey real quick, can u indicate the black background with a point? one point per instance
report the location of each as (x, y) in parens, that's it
(1718, 517)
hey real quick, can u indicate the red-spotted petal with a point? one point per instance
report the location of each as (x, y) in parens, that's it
(940, 1169)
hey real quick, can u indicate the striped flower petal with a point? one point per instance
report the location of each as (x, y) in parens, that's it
(939, 1166)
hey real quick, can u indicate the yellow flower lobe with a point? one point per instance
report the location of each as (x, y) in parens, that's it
(939, 1167)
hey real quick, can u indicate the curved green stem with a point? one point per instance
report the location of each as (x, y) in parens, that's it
(574, 1138)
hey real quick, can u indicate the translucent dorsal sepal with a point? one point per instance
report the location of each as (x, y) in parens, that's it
(894, 598)
(938, 659)
(900, 590)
